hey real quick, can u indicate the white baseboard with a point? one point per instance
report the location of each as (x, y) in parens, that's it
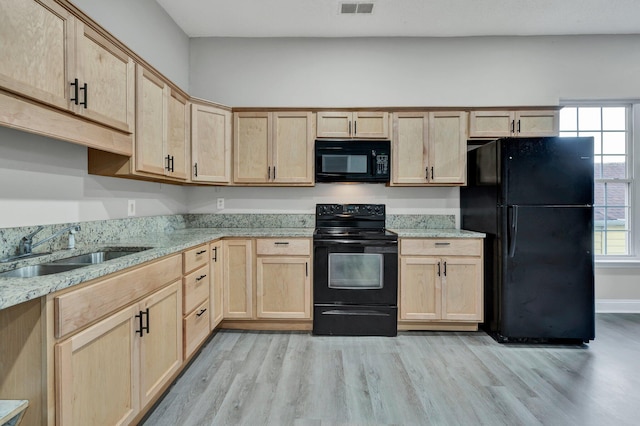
(618, 306)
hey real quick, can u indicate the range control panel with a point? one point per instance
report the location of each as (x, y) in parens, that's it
(346, 210)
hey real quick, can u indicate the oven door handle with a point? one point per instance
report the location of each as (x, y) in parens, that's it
(356, 242)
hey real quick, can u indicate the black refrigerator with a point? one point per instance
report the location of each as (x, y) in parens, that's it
(533, 198)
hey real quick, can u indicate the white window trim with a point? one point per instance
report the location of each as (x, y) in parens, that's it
(632, 260)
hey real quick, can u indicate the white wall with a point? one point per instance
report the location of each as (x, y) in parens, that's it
(145, 27)
(45, 181)
(410, 72)
(479, 71)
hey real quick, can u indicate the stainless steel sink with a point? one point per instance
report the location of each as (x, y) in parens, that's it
(38, 270)
(70, 263)
(97, 257)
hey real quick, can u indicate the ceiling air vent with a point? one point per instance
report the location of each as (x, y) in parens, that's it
(348, 8)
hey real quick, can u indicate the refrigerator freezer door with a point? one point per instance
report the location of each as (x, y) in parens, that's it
(547, 288)
(547, 171)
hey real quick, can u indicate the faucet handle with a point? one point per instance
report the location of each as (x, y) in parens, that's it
(31, 235)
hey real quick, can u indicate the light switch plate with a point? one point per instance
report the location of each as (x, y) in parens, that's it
(220, 203)
(131, 208)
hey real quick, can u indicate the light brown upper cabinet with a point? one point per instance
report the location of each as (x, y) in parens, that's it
(52, 57)
(210, 144)
(162, 128)
(356, 124)
(513, 123)
(429, 148)
(273, 148)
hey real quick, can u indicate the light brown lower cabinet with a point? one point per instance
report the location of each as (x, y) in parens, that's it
(216, 290)
(441, 284)
(238, 279)
(106, 373)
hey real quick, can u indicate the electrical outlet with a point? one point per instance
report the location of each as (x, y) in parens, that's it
(131, 208)
(220, 202)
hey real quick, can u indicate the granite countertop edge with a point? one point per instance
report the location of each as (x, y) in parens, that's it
(14, 291)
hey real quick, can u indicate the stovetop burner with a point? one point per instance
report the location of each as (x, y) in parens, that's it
(352, 221)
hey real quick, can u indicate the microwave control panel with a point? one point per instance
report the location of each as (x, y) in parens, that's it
(382, 164)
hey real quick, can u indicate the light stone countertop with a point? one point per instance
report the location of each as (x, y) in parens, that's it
(437, 233)
(11, 410)
(14, 291)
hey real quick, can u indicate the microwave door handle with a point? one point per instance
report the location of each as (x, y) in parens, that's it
(329, 174)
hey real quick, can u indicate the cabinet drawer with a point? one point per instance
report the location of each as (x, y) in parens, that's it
(78, 308)
(196, 289)
(289, 246)
(441, 246)
(195, 258)
(196, 328)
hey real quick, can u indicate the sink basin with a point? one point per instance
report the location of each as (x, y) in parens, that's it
(38, 270)
(97, 256)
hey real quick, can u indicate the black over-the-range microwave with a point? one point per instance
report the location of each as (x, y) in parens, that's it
(353, 160)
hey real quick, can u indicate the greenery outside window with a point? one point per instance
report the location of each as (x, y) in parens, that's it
(610, 125)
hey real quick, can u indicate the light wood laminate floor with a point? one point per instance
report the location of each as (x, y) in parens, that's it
(417, 378)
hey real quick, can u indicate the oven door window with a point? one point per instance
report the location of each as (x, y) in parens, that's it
(332, 163)
(355, 271)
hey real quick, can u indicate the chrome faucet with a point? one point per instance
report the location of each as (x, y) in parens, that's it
(27, 244)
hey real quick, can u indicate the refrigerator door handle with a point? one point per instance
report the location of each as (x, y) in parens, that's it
(513, 229)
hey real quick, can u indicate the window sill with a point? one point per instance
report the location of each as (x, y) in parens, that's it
(617, 263)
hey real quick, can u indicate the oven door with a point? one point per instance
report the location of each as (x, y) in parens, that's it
(355, 272)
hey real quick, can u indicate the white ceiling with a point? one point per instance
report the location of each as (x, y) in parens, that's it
(409, 18)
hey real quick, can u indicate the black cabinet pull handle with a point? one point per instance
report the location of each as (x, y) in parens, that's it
(86, 94)
(438, 268)
(195, 169)
(201, 312)
(431, 172)
(201, 277)
(355, 127)
(139, 317)
(281, 243)
(306, 268)
(349, 128)
(518, 126)
(146, 312)
(268, 172)
(171, 164)
(168, 166)
(513, 126)
(74, 84)
(200, 252)
(443, 244)
(445, 269)
(215, 254)
(274, 172)
(426, 172)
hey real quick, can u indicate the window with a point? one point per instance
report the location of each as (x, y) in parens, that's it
(611, 128)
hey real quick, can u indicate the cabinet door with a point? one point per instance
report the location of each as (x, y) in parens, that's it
(334, 124)
(489, 124)
(410, 136)
(292, 147)
(420, 288)
(251, 139)
(37, 50)
(210, 144)
(161, 343)
(462, 288)
(537, 123)
(109, 74)
(97, 373)
(283, 287)
(371, 124)
(150, 123)
(216, 289)
(238, 279)
(178, 135)
(447, 147)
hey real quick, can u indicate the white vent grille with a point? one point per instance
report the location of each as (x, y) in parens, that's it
(351, 8)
